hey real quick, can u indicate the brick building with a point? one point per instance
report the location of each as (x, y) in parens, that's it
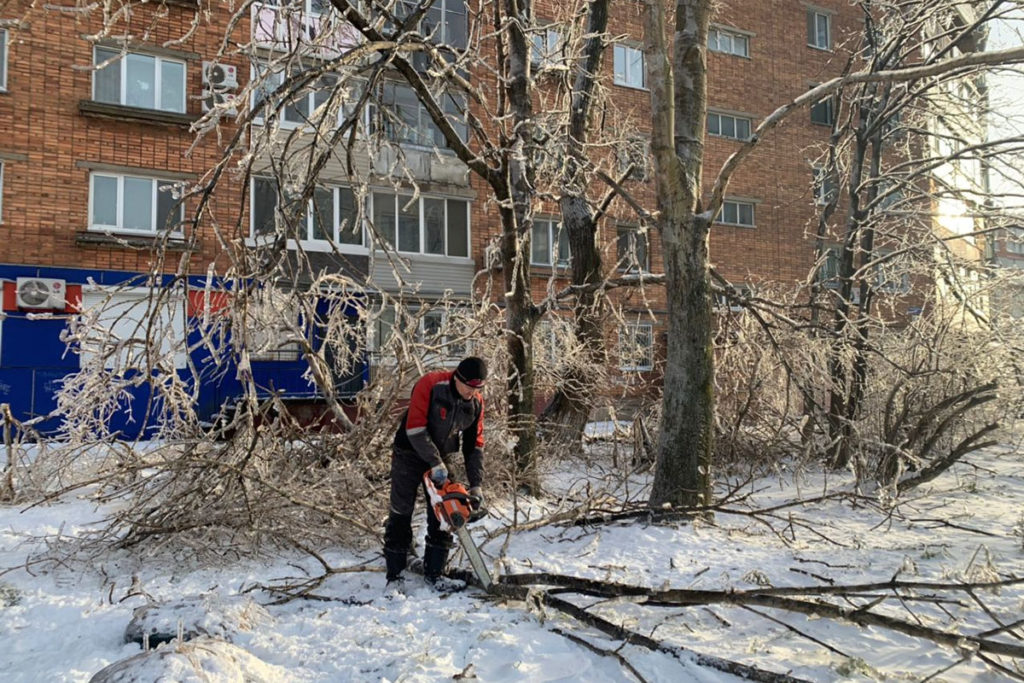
(97, 126)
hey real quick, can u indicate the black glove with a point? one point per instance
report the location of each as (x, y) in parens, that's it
(476, 504)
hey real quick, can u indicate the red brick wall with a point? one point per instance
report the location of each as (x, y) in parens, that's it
(46, 192)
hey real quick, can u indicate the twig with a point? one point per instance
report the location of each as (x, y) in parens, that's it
(947, 523)
(601, 651)
(797, 631)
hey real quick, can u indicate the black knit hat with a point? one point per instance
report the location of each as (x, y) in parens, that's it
(472, 371)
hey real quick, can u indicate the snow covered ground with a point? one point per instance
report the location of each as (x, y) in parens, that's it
(68, 624)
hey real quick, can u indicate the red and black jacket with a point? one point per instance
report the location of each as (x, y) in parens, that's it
(436, 418)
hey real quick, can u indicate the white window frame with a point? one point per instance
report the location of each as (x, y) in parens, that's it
(626, 56)
(119, 223)
(719, 32)
(546, 46)
(554, 234)
(269, 328)
(122, 64)
(886, 264)
(443, 7)
(720, 218)
(736, 118)
(628, 334)
(282, 30)
(634, 150)
(401, 200)
(308, 241)
(824, 185)
(633, 233)
(721, 303)
(275, 78)
(382, 328)
(453, 352)
(829, 103)
(1014, 240)
(816, 15)
(425, 126)
(124, 310)
(5, 39)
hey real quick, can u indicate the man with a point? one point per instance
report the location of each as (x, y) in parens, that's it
(444, 406)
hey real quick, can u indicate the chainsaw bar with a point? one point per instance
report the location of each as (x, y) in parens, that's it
(452, 510)
(473, 553)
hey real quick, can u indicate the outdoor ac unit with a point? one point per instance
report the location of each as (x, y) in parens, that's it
(211, 98)
(219, 76)
(41, 293)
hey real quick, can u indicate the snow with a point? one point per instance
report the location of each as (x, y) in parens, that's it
(67, 623)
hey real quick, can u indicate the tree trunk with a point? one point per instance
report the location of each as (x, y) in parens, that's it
(567, 413)
(678, 104)
(517, 226)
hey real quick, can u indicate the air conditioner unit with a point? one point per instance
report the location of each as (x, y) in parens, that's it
(219, 76)
(41, 293)
(211, 98)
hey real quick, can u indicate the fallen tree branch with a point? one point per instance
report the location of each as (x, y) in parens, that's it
(776, 598)
(632, 637)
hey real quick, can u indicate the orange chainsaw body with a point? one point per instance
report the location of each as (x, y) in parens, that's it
(451, 502)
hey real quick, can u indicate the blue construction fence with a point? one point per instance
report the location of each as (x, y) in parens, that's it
(35, 361)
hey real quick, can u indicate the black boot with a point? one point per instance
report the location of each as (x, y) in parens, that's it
(395, 561)
(435, 557)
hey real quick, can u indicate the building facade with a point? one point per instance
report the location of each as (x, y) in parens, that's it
(100, 135)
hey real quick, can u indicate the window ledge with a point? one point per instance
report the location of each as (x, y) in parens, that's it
(123, 113)
(89, 238)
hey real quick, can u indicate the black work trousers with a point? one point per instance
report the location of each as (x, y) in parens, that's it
(406, 481)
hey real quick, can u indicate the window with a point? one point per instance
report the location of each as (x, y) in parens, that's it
(723, 303)
(825, 189)
(138, 80)
(737, 213)
(132, 329)
(547, 47)
(728, 126)
(271, 328)
(828, 270)
(331, 215)
(400, 117)
(441, 329)
(428, 225)
(133, 204)
(729, 42)
(890, 273)
(636, 347)
(631, 249)
(286, 22)
(630, 69)
(819, 29)
(633, 153)
(3, 59)
(1015, 240)
(823, 112)
(304, 108)
(445, 23)
(549, 243)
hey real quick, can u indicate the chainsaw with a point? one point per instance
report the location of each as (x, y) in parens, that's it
(452, 507)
